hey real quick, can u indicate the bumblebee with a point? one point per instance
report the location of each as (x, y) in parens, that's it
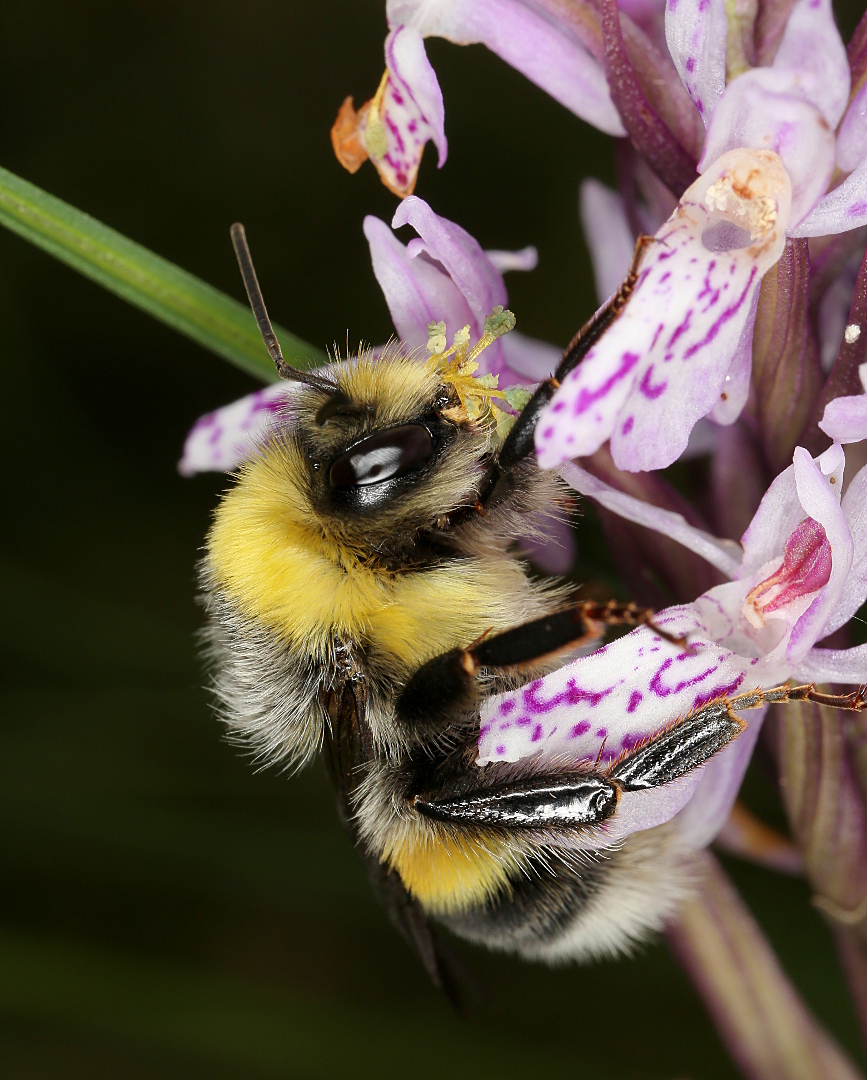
(365, 597)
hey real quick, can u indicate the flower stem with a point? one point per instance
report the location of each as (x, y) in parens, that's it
(767, 1028)
(152, 283)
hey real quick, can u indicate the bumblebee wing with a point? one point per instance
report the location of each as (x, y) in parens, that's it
(413, 925)
(347, 748)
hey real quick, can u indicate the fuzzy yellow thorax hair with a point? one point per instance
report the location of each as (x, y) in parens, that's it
(268, 553)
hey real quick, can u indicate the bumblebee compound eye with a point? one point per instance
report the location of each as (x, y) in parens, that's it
(383, 456)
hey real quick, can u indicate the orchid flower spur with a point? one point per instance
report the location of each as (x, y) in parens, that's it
(682, 347)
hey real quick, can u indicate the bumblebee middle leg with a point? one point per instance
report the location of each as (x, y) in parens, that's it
(448, 684)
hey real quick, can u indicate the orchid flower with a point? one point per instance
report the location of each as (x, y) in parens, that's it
(802, 574)
(407, 109)
(681, 349)
(442, 275)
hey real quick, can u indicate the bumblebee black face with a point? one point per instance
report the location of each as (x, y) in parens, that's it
(366, 598)
(382, 457)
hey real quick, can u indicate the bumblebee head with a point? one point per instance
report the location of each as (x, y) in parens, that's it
(370, 451)
(389, 455)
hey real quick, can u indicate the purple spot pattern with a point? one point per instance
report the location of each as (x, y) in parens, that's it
(618, 393)
(554, 716)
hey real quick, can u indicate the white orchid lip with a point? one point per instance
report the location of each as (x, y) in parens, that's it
(664, 362)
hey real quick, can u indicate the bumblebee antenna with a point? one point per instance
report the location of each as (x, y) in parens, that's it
(257, 303)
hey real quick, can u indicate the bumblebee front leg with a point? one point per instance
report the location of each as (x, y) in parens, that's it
(448, 684)
(519, 442)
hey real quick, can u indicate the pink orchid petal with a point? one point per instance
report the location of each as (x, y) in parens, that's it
(695, 31)
(221, 440)
(443, 274)
(854, 506)
(399, 122)
(845, 419)
(417, 291)
(821, 501)
(841, 210)
(608, 235)
(811, 47)
(547, 51)
(721, 778)
(527, 359)
(761, 109)
(725, 555)
(503, 261)
(459, 254)
(663, 363)
(835, 665)
(407, 62)
(852, 134)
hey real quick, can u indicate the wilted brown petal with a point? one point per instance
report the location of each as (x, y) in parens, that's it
(766, 1026)
(347, 135)
(786, 370)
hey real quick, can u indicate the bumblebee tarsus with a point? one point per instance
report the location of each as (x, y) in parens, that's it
(856, 701)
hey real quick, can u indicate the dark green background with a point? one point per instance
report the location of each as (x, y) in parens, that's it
(164, 910)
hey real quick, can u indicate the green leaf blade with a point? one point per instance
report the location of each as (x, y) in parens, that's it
(157, 286)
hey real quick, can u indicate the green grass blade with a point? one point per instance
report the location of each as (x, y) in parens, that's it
(154, 284)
